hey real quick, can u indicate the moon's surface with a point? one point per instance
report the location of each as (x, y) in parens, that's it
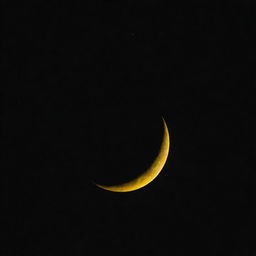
(150, 174)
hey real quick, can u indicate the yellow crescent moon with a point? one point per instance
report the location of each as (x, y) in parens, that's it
(152, 172)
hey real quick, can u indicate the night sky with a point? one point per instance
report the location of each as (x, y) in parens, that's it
(87, 85)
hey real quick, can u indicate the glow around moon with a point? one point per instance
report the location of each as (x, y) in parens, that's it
(151, 173)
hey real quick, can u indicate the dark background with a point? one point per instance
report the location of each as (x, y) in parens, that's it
(87, 84)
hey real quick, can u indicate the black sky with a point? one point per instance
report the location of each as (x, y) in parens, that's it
(87, 84)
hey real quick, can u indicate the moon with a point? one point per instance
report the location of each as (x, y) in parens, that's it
(151, 173)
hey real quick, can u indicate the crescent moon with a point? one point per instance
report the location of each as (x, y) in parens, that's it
(151, 173)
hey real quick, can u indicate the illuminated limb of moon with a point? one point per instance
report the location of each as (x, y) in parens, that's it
(151, 173)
